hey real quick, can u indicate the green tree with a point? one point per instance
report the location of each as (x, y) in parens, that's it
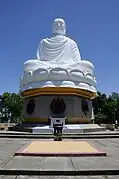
(99, 103)
(11, 106)
(106, 107)
(100, 118)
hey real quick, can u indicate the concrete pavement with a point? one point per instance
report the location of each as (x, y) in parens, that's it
(8, 146)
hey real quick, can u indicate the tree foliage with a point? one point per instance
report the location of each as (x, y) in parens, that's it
(11, 107)
(106, 108)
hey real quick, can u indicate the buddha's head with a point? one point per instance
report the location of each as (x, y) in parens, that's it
(59, 27)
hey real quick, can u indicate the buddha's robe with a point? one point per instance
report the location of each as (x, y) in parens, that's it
(58, 49)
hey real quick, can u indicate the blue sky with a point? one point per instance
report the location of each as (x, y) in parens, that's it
(93, 24)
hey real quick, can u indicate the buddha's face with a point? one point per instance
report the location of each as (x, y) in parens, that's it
(59, 27)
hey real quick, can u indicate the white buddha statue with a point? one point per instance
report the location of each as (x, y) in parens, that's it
(58, 62)
(58, 49)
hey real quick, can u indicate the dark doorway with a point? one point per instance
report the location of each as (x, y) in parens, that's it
(58, 106)
(84, 106)
(30, 106)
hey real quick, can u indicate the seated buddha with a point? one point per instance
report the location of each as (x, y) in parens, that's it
(59, 48)
(58, 59)
(58, 51)
(55, 51)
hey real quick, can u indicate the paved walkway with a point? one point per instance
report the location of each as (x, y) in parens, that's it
(8, 146)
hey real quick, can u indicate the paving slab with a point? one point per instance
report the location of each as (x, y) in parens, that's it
(57, 163)
(24, 163)
(42, 163)
(8, 148)
(95, 163)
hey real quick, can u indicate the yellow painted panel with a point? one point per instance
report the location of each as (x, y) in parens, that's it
(45, 120)
(58, 91)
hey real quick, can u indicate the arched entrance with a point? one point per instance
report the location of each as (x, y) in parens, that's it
(57, 106)
(85, 107)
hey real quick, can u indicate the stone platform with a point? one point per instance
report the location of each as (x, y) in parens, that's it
(69, 128)
(59, 148)
(36, 128)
